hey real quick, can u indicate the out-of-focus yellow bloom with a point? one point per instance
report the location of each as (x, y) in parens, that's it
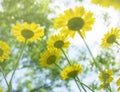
(1, 90)
(118, 83)
(107, 3)
(72, 21)
(110, 37)
(106, 76)
(4, 51)
(71, 71)
(28, 32)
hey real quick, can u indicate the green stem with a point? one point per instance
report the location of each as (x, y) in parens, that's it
(65, 56)
(97, 65)
(77, 85)
(58, 66)
(117, 43)
(4, 75)
(16, 65)
(84, 84)
(109, 88)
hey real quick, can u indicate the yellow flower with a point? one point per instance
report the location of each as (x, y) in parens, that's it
(74, 20)
(110, 37)
(4, 51)
(107, 3)
(49, 57)
(104, 85)
(106, 76)
(58, 41)
(1, 90)
(118, 89)
(71, 71)
(118, 82)
(28, 32)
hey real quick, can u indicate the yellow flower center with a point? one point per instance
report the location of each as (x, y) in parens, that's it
(75, 23)
(72, 73)
(1, 52)
(59, 44)
(111, 39)
(51, 59)
(27, 34)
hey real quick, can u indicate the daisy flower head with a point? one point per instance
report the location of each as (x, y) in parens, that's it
(107, 3)
(58, 41)
(71, 71)
(74, 20)
(118, 83)
(110, 37)
(28, 32)
(4, 51)
(1, 90)
(49, 57)
(106, 76)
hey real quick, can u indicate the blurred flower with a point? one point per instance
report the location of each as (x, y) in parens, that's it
(58, 41)
(110, 37)
(104, 85)
(107, 3)
(1, 90)
(118, 83)
(49, 57)
(4, 51)
(74, 20)
(106, 76)
(71, 71)
(28, 32)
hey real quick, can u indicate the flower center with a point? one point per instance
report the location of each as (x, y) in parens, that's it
(51, 59)
(27, 34)
(72, 73)
(111, 39)
(59, 44)
(1, 52)
(75, 23)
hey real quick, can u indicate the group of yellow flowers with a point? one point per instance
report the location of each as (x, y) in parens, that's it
(68, 24)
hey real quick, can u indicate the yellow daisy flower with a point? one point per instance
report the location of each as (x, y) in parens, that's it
(104, 85)
(28, 32)
(74, 20)
(58, 41)
(118, 89)
(110, 37)
(106, 76)
(49, 57)
(107, 3)
(71, 71)
(118, 82)
(4, 51)
(1, 90)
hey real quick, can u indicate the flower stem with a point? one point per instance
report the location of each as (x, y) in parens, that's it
(77, 85)
(84, 84)
(58, 66)
(16, 65)
(97, 65)
(81, 85)
(4, 75)
(65, 56)
(117, 43)
(109, 88)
